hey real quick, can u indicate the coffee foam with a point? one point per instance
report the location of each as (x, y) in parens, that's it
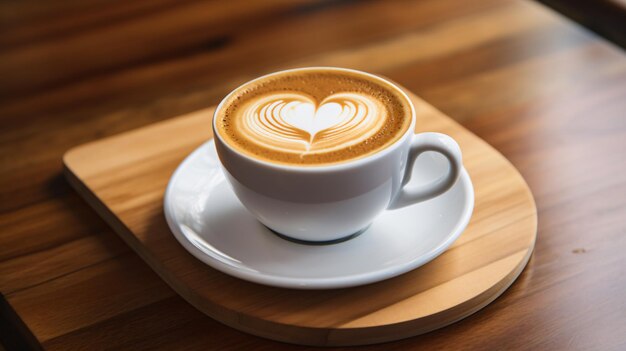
(316, 116)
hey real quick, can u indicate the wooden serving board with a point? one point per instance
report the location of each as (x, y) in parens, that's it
(124, 179)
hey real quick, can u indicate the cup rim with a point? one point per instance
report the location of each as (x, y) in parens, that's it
(328, 167)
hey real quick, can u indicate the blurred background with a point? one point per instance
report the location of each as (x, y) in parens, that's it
(63, 56)
(98, 55)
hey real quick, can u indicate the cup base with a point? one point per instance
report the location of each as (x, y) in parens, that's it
(318, 243)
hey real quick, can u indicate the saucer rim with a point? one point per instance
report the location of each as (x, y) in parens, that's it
(351, 280)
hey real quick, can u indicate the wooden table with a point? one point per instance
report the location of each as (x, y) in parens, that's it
(548, 94)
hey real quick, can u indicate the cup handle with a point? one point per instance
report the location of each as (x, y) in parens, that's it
(422, 142)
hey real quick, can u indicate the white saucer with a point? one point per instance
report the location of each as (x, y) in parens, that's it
(209, 221)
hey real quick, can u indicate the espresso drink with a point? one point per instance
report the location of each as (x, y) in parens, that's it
(313, 117)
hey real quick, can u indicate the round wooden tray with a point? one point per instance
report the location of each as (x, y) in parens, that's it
(124, 178)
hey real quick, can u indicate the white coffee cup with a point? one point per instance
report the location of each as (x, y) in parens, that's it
(325, 204)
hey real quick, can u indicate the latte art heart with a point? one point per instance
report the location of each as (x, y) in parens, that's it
(313, 116)
(296, 122)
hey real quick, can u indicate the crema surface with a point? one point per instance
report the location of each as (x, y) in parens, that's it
(313, 117)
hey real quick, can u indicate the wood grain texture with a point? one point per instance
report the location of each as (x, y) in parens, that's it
(543, 91)
(124, 178)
